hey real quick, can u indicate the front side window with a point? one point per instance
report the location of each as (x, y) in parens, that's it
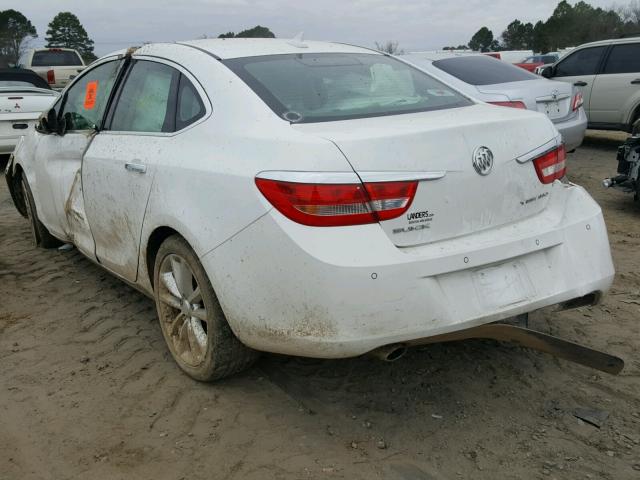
(623, 59)
(321, 87)
(84, 103)
(147, 102)
(483, 70)
(55, 58)
(582, 62)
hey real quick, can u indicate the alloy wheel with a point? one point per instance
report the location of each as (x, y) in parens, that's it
(182, 311)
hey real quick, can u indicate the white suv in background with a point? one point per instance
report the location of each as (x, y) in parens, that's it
(56, 65)
(608, 72)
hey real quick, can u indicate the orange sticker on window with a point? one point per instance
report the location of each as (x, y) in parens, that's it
(90, 95)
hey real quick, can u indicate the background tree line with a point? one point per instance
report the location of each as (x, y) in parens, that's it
(66, 31)
(568, 26)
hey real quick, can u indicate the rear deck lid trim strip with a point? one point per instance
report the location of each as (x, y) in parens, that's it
(542, 149)
(349, 177)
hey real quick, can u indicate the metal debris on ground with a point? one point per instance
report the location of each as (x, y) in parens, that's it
(592, 416)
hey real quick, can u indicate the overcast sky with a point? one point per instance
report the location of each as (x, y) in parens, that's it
(415, 24)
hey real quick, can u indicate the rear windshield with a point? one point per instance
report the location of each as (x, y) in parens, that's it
(483, 70)
(320, 87)
(15, 83)
(15, 77)
(55, 58)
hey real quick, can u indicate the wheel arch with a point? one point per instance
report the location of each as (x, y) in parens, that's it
(13, 176)
(157, 236)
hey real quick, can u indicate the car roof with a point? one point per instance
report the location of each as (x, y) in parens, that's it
(225, 48)
(53, 49)
(613, 41)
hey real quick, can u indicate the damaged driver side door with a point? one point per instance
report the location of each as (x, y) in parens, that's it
(59, 155)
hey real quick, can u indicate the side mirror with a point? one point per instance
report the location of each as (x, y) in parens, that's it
(547, 72)
(47, 122)
(63, 123)
(51, 125)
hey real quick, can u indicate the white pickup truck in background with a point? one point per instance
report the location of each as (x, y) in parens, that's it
(57, 66)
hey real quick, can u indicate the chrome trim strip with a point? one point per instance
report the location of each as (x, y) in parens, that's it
(542, 149)
(372, 177)
(348, 177)
(309, 177)
(550, 98)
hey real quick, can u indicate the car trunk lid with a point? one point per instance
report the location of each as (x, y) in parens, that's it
(25, 102)
(457, 200)
(548, 97)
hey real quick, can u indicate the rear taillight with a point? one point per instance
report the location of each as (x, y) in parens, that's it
(577, 101)
(510, 104)
(51, 77)
(338, 204)
(551, 165)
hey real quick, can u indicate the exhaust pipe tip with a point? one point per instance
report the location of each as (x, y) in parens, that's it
(390, 353)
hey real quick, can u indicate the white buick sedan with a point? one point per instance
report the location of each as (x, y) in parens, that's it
(306, 198)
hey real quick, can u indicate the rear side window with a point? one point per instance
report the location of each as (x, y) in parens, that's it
(483, 70)
(55, 58)
(624, 59)
(319, 87)
(582, 62)
(190, 106)
(147, 100)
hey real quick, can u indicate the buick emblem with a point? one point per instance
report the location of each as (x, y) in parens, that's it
(483, 160)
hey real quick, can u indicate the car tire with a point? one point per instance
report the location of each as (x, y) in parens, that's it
(191, 318)
(41, 236)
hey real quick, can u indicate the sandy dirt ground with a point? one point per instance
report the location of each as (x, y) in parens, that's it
(88, 390)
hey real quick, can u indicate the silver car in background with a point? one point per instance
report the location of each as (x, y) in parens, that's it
(500, 83)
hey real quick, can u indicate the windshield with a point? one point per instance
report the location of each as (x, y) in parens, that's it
(55, 58)
(483, 70)
(323, 87)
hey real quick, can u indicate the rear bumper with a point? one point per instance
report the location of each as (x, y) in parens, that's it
(340, 292)
(573, 130)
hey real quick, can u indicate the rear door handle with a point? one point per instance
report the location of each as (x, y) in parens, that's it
(580, 83)
(136, 167)
(635, 82)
